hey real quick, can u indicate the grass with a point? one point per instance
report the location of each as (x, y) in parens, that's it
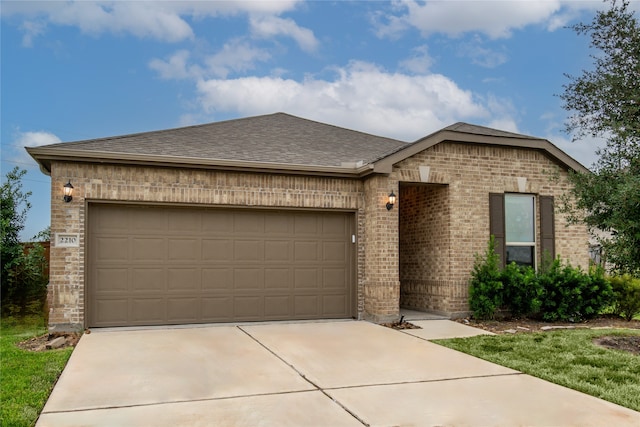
(568, 358)
(27, 378)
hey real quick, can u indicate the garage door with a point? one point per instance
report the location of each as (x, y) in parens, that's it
(167, 265)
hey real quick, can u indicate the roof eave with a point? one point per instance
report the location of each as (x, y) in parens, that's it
(385, 165)
(44, 156)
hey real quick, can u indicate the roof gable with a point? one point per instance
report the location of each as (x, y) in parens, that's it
(466, 133)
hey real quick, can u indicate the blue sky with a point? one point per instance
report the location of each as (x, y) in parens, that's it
(79, 70)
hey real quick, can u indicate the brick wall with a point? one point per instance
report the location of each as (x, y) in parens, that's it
(95, 183)
(470, 172)
(427, 241)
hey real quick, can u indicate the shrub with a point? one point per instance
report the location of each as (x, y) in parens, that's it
(485, 290)
(24, 289)
(522, 291)
(570, 294)
(626, 296)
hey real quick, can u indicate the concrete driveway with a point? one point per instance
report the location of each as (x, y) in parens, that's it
(343, 373)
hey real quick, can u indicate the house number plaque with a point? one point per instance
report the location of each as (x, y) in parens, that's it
(67, 240)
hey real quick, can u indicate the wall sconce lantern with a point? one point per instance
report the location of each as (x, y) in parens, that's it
(68, 192)
(392, 201)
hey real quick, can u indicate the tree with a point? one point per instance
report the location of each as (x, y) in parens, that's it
(23, 276)
(605, 103)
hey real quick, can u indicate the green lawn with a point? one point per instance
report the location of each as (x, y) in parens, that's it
(568, 358)
(26, 378)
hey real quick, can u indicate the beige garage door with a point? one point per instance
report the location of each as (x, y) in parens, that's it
(161, 265)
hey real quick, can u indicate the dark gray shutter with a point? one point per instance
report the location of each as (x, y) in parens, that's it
(547, 227)
(496, 224)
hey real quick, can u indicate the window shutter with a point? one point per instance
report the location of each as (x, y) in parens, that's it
(496, 224)
(547, 227)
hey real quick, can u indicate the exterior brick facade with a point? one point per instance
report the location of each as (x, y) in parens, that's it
(417, 255)
(445, 222)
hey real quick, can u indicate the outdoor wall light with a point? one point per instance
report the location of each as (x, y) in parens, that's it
(68, 192)
(392, 201)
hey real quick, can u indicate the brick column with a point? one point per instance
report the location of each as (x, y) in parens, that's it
(382, 284)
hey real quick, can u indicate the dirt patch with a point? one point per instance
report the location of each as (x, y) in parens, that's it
(401, 325)
(48, 342)
(630, 343)
(530, 325)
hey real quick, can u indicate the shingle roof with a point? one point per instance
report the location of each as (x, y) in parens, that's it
(481, 130)
(278, 143)
(275, 138)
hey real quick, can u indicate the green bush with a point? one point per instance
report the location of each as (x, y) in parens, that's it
(570, 294)
(626, 296)
(556, 292)
(522, 291)
(25, 286)
(485, 290)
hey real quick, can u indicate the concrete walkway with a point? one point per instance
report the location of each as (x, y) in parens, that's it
(343, 373)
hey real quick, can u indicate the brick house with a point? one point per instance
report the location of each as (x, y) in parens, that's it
(277, 217)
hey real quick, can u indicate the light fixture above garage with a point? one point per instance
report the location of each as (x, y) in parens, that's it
(392, 201)
(68, 192)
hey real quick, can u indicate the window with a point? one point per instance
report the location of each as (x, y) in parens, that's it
(512, 221)
(520, 228)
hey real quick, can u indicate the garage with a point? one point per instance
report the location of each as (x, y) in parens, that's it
(168, 265)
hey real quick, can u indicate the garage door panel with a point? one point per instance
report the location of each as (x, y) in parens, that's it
(305, 224)
(111, 312)
(277, 224)
(334, 278)
(148, 279)
(334, 226)
(334, 251)
(277, 278)
(306, 251)
(248, 278)
(183, 279)
(246, 222)
(111, 280)
(148, 249)
(185, 310)
(184, 220)
(151, 310)
(151, 221)
(220, 279)
(217, 250)
(217, 309)
(306, 305)
(217, 221)
(277, 306)
(334, 304)
(305, 278)
(184, 249)
(277, 250)
(248, 307)
(170, 265)
(248, 250)
(111, 249)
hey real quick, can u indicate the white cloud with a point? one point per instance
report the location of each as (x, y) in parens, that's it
(30, 139)
(268, 26)
(36, 139)
(362, 96)
(482, 56)
(496, 19)
(176, 67)
(420, 61)
(235, 56)
(160, 20)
